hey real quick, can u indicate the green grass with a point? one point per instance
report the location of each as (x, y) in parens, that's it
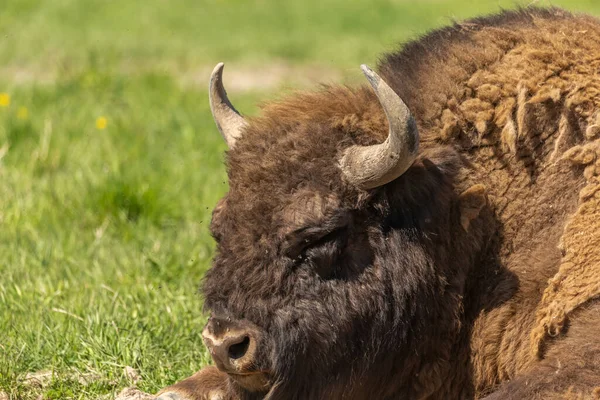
(104, 232)
(43, 39)
(103, 236)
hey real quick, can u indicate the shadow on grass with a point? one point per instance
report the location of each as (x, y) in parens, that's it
(130, 200)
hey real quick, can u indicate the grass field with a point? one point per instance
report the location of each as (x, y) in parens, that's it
(110, 165)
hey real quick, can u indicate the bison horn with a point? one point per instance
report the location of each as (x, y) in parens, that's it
(228, 120)
(369, 167)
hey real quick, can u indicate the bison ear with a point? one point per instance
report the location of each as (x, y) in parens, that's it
(229, 122)
(471, 202)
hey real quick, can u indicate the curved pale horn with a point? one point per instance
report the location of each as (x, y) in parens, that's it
(368, 167)
(228, 120)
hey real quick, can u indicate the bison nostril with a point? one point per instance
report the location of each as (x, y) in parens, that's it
(238, 350)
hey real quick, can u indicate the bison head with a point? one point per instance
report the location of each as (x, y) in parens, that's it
(341, 257)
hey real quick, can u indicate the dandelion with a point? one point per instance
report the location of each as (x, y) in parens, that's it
(101, 123)
(4, 100)
(22, 113)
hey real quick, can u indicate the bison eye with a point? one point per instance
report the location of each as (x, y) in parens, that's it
(297, 240)
(322, 255)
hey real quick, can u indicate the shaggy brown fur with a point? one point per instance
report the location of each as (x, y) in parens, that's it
(433, 286)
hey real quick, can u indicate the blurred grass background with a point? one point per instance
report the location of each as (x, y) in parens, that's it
(110, 164)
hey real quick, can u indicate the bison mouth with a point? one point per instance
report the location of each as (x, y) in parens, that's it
(257, 381)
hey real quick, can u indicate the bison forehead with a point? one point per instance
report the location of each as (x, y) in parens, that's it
(307, 207)
(300, 138)
(284, 170)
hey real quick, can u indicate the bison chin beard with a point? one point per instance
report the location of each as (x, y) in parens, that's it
(256, 382)
(326, 369)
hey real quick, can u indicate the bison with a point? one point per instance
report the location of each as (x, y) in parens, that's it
(432, 235)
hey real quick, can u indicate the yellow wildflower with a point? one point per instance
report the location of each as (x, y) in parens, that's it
(22, 113)
(4, 100)
(101, 123)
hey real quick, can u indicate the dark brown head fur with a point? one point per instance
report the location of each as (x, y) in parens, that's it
(346, 283)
